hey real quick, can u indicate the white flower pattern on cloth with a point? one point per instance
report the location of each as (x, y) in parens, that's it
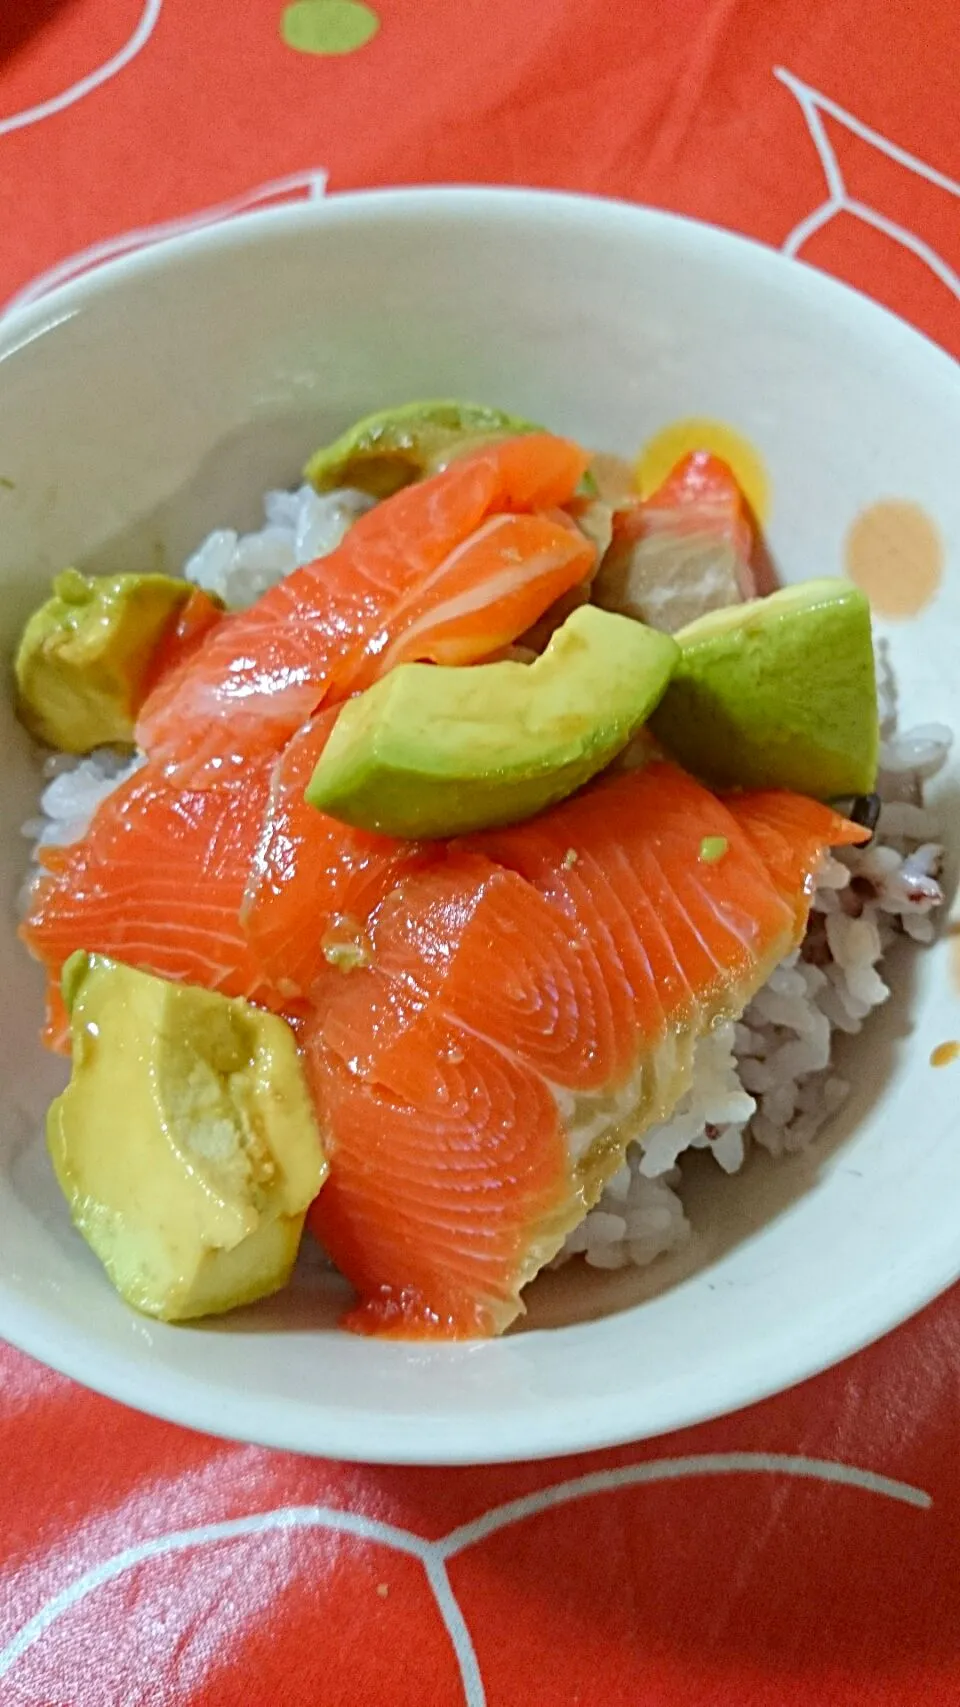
(308, 185)
(433, 1555)
(814, 107)
(93, 80)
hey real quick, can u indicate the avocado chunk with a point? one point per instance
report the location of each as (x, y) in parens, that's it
(778, 693)
(431, 751)
(84, 658)
(185, 1143)
(386, 451)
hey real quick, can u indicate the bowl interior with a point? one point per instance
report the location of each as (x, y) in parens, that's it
(144, 406)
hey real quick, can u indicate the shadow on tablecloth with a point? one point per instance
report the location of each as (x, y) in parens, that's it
(22, 20)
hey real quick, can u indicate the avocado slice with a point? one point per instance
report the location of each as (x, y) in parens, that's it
(83, 660)
(778, 693)
(430, 752)
(186, 1143)
(395, 447)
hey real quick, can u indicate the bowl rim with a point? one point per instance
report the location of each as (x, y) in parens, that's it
(20, 324)
(581, 1423)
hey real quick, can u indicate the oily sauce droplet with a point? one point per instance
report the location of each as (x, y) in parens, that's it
(346, 944)
(895, 554)
(945, 1054)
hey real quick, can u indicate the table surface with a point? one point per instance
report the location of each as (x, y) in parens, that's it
(805, 1551)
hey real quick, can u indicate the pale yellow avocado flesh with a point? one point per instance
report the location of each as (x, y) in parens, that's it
(779, 692)
(395, 447)
(430, 752)
(84, 656)
(186, 1143)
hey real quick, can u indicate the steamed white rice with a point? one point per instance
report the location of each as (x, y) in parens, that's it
(298, 528)
(767, 1080)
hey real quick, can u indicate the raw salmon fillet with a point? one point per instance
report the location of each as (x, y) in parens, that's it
(484, 594)
(313, 881)
(781, 828)
(530, 1004)
(441, 1185)
(261, 673)
(158, 882)
(193, 623)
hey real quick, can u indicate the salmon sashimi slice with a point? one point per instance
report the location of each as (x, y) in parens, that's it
(261, 673)
(586, 951)
(626, 858)
(434, 1186)
(313, 881)
(790, 834)
(157, 882)
(430, 944)
(488, 591)
(683, 551)
(193, 623)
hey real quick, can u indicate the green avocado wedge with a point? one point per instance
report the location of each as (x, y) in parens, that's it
(433, 752)
(395, 447)
(778, 693)
(84, 656)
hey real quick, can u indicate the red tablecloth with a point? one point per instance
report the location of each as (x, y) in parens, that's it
(804, 1552)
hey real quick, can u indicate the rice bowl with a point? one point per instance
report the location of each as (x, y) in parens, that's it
(660, 1409)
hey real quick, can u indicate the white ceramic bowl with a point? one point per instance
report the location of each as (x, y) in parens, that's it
(145, 404)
